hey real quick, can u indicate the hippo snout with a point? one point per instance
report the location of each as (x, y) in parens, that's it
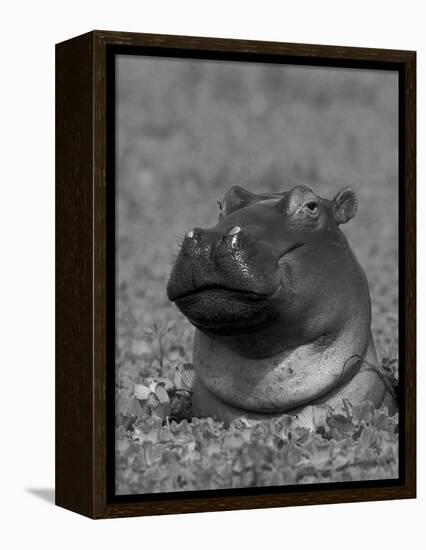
(221, 273)
(223, 259)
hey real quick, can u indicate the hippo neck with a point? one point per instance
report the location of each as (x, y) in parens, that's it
(293, 378)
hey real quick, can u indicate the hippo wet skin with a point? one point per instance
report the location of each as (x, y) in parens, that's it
(280, 305)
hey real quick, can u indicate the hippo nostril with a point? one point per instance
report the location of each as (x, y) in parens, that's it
(234, 230)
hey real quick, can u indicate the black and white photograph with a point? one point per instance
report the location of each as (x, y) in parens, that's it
(256, 301)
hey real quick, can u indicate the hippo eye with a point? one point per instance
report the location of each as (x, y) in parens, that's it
(312, 207)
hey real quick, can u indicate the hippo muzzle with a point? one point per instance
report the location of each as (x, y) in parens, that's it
(223, 280)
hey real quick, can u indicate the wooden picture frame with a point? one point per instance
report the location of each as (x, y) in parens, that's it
(84, 267)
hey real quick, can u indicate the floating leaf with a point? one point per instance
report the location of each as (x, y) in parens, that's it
(311, 418)
(381, 421)
(157, 420)
(341, 424)
(152, 384)
(281, 426)
(347, 407)
(142, 392)
(320, 451)
(213, 448)
(363, 412)
(245, 423)
(369, 438)
(163, 410)
(153, 401)
(161, 393)
(187, 376)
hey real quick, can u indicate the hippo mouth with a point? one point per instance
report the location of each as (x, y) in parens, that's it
(241, 293)
(215, 288)
(213, 303)
(222, 310)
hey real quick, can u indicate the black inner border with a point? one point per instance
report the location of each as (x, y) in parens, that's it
(111, 52)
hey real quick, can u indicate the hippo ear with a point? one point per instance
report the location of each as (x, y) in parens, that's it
(236, 197)
(344, 205)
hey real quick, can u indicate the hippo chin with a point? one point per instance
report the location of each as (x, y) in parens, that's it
(280, 305)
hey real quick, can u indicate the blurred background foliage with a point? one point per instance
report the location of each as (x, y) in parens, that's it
(189, 129)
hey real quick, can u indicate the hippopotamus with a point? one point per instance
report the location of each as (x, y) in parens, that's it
(280, 305)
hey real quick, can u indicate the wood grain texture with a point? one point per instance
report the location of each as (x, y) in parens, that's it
(229, 46)
(409, 292)
(74, 276)
(82, 273)
(101, 273)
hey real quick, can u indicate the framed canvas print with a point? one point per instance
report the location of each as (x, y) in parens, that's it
(235, 241)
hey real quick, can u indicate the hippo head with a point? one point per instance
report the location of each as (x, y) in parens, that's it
(275, 272)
